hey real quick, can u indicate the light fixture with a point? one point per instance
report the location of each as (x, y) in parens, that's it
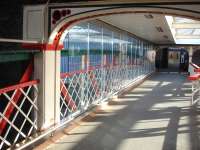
(165, 36)
(159, 29)
(148, 16)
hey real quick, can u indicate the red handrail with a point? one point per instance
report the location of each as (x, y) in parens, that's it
(15, 99)
(197, 70)
(91, 68)
(10, 107)
(194, 77)
(18, 86)
(67, 96)
(194, 65)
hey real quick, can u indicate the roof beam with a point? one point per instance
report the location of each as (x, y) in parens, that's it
(186, 25)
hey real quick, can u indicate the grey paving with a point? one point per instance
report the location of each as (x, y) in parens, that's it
(154, 116)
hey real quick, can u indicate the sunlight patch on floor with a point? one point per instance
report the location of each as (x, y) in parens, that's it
(143, 89)
(135, 95)
(165, 83)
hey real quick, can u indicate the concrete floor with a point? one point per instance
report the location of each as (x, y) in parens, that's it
(154, 116)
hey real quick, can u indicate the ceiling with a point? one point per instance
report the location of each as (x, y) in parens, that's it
(153, 28)
(184, 30)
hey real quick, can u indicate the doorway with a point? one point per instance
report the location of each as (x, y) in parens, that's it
(172, 60)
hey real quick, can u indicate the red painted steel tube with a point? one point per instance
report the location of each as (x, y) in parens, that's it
(68, 98)
(10, 107)
(197, 70)
(18, 86)
(91, 68)
(194, 65)
(194, 77)
(94, 82)
(41, 46)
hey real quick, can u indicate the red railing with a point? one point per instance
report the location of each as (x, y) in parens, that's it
(194, 65)
(18, 86)
(92, 75)
(91, 68)
(15, 99)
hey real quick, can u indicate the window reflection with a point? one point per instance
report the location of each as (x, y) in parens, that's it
(95, 43)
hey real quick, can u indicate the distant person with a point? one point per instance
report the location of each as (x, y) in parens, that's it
(182, 62)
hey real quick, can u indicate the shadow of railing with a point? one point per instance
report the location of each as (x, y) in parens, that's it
(114, 125)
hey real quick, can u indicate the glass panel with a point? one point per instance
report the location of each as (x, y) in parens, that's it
(116, 47)
(129, 50)
(141, 49)
(124, 50)
(75, 44)
(107, 45)
(196, 32)
(184, 31)
(78, 36)
(183, 20)
(95, 44)
(134, 53)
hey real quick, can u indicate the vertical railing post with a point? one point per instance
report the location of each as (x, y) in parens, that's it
(131, 62)
(87, 66)
(83, 80)
(138, 57)
(135, 59)
(57, 87)
(102, 63)
(111, 68)
(47, 70)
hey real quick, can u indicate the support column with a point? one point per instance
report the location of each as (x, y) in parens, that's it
(47, 70)
(190, 51)
(190, 68)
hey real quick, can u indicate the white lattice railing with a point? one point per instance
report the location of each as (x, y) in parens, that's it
(75, 87)
(195, 78)
(80, 89)
(18, 111)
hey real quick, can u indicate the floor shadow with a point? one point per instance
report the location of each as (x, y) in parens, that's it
(134, 115)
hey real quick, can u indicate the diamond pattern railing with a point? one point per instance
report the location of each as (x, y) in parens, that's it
(18, 111)
(195, 92)
(81, 89)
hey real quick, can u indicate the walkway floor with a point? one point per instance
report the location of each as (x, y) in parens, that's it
(154, 116)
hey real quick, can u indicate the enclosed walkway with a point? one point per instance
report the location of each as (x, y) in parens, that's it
(154, 116)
